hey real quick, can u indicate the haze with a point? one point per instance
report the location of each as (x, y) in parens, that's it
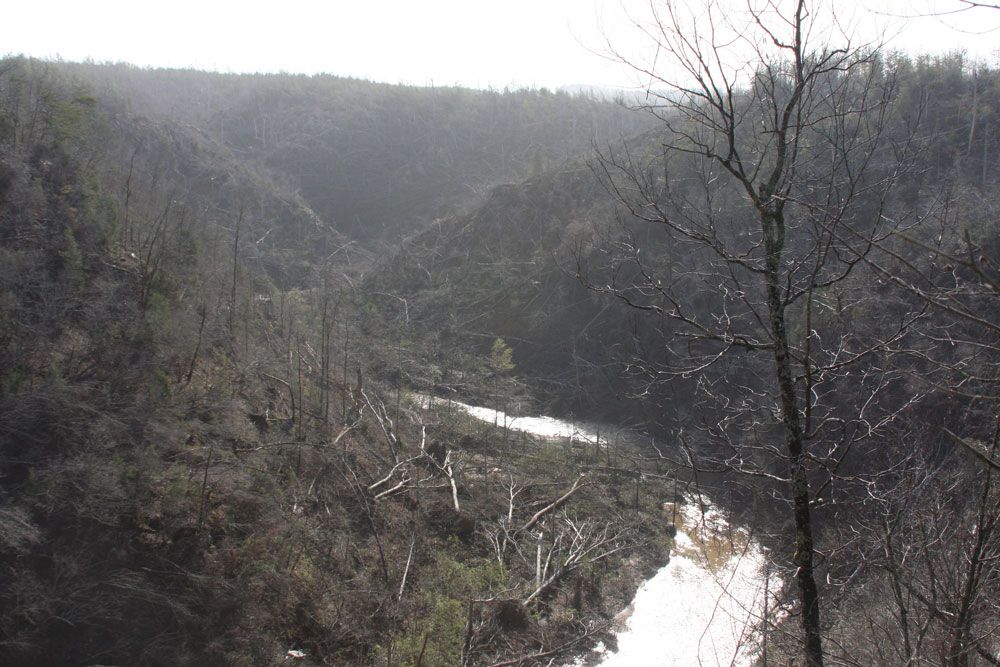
(519, 43)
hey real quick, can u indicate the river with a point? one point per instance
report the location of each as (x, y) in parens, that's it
(699, 609)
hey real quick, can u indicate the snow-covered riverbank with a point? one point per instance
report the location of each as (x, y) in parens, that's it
(703, 607)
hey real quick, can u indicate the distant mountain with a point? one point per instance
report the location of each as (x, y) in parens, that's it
(376, 161)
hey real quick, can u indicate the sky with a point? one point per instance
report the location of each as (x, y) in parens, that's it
(476, 43)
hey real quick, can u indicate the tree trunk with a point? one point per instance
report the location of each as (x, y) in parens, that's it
(805, 578)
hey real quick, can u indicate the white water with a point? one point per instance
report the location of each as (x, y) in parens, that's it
(699, 609)
(542, 427)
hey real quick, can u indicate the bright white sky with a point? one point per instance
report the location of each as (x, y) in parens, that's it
(479, 43)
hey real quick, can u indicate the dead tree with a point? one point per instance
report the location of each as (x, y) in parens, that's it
(574, 543)
(236, 269)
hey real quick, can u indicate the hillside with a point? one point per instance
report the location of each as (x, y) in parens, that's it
(887, 309)
(508, 270)
(200, 461)
(229, 302)
(376, 161)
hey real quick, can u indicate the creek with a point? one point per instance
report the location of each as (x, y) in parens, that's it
(702, 607)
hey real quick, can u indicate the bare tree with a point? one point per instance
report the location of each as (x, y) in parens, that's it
(769, 186)
(936, 531)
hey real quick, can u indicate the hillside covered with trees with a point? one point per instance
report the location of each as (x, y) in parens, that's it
(239, 315)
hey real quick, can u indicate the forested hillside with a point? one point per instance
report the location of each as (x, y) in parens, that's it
(631, 275)
(531, 262)
(237, 311)
(206, 457)
(377, 161)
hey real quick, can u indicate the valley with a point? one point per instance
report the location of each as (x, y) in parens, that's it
(317, 370)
